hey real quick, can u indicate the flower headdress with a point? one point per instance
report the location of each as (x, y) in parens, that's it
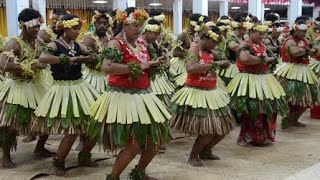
(32, 23)
(97, 15)
(224, 21)
(206, 29)
(160, 17)
(195, 23)
(138, 16)
(69, 23)
(301, 27)
(54, 17)
(152, 28)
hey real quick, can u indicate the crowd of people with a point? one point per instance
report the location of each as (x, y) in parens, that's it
(128, 84)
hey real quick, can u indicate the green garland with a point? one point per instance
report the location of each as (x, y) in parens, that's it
(161, 69)
(64, 59)
(48, 49)
(112, 54)
(135, 71)
(97, 64)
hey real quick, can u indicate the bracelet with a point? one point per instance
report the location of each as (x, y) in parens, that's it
(214, 66)
(64, 59)
(262, 59)
(135, 71)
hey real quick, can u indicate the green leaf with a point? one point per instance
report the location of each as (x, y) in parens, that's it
(65, 123)
(253, 108)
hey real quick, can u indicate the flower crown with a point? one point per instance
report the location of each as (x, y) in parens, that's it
(138, 16)
(224, 21)
(97, 15)
(152, 28)
(206, 29)
(160, 17)
(224, 28)
(69, 23)
(32, 23)
(301, 27)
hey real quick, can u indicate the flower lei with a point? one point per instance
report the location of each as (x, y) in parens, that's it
(97, 15)
(138, 16)
(32, 23)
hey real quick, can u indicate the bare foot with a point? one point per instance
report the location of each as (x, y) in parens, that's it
(209, 156)
(195, 162)
(29, 139)
(43, 153)
(299, 124)
(60, 172)
(242, 143)
(7, 164)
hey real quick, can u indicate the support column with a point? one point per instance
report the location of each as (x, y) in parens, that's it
(255, 8)
(40, 5)
(131, 3)
(177, 16)
(224, 8)
(294, 10)
(200, 6)
(119, 4)
(14, 7)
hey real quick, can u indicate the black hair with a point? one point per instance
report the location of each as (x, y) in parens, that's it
(104, 14)
(28, 14)
(277, 24)
(154, 12)
(64, 18)
(119, 26)
(195, 17)
(271, 17)
(302, 18)
(153, 22)
(59, 11)
(317, 19)
(239, 18)
(224, 17)
(205, 19)
(220, 24)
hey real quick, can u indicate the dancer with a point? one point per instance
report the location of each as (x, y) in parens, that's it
(315, 65)
(201, 108)
(231, 47)
(65, 107)
(22, 90)
(296, 76)
(128, 115)
(256, 95)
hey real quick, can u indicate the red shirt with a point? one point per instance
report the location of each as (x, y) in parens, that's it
(258, 50)
(203, 80)
(292, 59)
(130, 56)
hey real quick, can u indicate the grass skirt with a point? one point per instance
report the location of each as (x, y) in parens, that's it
(65, 108)
(315, 66)
(163, 88)
(202, 111)
(300, 84)
(96, 79)
(123, 113)
(178, 65)
(19, 98)
(230, 72)
(257, 94)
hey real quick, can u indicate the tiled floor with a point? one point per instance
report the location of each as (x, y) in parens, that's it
(295, 155)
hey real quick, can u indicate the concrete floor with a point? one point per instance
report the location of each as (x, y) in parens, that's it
(295, 155)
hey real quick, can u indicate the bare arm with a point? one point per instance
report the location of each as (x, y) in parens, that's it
(234, 46)
(193, 66)
(294, 50)
(87, 58)
(48, 58)
(248, 59)
(178, 52)
(42, 34)
(6, 64)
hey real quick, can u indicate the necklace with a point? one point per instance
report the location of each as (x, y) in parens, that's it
(72, 52)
